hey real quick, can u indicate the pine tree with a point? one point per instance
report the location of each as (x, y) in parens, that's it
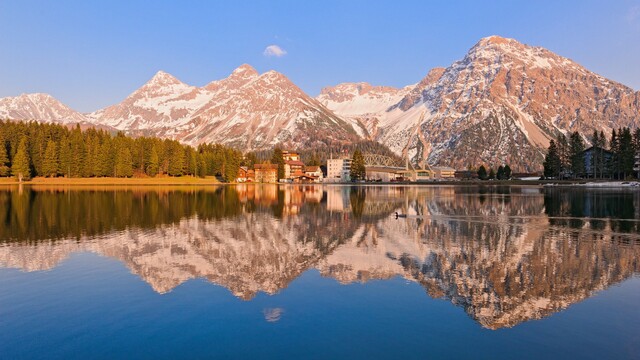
(636, 148)
(613, 164)
(507, 172)
(576, 154)
(202, 167)
(564, 155)
(21, 167)
(603, 145)
(106, 158)
(358, 169)
(626, 153)
(176, 159)
(78, 152)
(595, 158)
(124, 163)
(4, 158)
(232, 165)
(314, 161)
(250, 159)
(152, 168)
(50, 163)
(552, 162)
(482, 173)
(492, 174)
(500, 172)
(278, 159)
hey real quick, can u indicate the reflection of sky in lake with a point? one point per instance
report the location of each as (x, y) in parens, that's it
(335, 258)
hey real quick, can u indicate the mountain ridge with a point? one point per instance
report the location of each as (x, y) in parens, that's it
(502, 102)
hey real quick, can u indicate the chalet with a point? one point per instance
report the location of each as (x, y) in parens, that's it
(305, 179)
(243, 174)
(313, 172)
(266, 173)
(595, 161)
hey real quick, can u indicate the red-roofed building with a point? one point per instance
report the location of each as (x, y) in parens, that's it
(314, 172)
(293, 168)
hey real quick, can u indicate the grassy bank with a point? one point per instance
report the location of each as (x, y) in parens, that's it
(106, 181)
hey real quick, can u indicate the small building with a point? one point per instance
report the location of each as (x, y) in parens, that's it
(381, 173)
(338, 170)
(315, 172)
(266, 173)
(466, 174)
(290, 156)
(601, 156)
(243, 174)
(305, 179)
(444, 172)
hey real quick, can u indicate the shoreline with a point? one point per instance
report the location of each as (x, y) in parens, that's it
(192, 181)
(109, 181)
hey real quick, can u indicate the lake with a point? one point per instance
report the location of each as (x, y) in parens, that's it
(319, 272)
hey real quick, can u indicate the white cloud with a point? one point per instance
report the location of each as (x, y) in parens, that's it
(274, 50)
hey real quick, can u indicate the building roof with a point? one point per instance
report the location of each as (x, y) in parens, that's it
(589, 149)
(265, 166)
(443, 168)
(294, 162)
(312, 168)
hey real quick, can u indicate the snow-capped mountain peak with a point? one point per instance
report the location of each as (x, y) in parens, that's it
(245, 70)
(40, 107)
(501, 103)
(162, 78)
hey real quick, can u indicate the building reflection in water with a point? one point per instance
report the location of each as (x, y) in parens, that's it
(504, 254)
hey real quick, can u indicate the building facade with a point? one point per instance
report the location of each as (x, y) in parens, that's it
(314, 172)
(596, 162)
(338, 170)
(266, 173)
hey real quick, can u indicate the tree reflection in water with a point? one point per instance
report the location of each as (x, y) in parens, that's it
(504, 254)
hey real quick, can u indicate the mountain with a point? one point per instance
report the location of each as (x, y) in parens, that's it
(247, 110)
(502, 102)
(39, 107)
(163, 101)
(361, 103)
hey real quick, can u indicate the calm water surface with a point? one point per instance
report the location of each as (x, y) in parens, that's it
(260, 271)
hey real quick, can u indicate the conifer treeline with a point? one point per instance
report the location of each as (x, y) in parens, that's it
(608, 159)
(29, 149)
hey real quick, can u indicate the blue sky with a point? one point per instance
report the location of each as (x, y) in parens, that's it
(91, 54)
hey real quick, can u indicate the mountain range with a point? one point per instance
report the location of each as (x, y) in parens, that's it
(501, 103)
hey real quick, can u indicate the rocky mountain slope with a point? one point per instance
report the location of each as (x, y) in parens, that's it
(247, 110)
(502, 102)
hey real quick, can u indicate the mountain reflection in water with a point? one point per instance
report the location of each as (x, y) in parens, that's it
(504, 254)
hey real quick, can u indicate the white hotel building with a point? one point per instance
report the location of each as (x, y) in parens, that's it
(338, 170)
